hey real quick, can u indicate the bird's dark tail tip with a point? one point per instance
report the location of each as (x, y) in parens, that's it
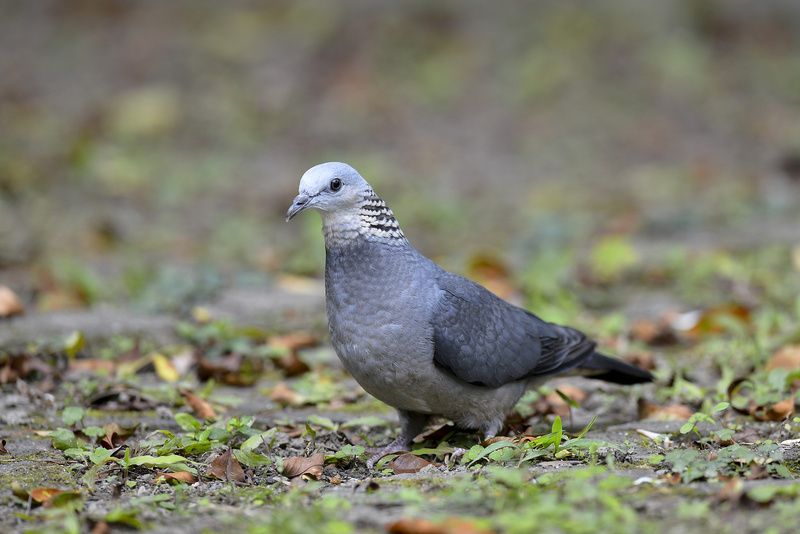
(613, 370)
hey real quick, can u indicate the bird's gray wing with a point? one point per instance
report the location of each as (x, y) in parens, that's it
(486, 341)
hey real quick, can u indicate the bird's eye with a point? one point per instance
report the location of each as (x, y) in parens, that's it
(336, 184)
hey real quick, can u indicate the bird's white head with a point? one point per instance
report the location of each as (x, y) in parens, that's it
(347, 204)
(329, 187)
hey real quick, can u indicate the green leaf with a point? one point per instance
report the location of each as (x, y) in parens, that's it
(687, 427)
(585, 430)
(64, 439)
(310, 431)
(72, 415)
(350, 451)
(253, 442)
(171, 461)
(73, 343)
(124, 517)
(613, 255)
(91, 474)
(324, 422)
(187, 422)
(497, 445)
(763, 494)
(250, 458)
(720, 407)
(94, 431)
(99, 455)
(566, 399)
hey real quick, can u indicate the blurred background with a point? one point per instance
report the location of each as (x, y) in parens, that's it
(570, 154)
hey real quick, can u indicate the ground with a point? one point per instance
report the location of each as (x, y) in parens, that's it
(629, 168)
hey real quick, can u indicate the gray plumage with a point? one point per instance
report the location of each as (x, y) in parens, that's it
(421, 339)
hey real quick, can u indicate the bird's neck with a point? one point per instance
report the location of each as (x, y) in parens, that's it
(372, 220)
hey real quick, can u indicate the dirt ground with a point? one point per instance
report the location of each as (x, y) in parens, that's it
(626, 167)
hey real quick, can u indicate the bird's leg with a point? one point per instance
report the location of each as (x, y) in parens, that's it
(411, 423)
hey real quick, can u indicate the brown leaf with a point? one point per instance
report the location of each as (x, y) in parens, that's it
(101, 527)
(291, 343)
(226, 467)
(3, 448)
(16, 366)
(495, 439)
(9, 303)
(643, 360)
(715, 320)
(120, 397)
(787, 357)
(408, 463)
(676, 412)
(230, 369)
(451, 525)
(777, 412)
(731, 491)
(552, 403)
(491, 273)
(116, 435)
(48, 497)
(747, 435)
(40, 495)
(301, 465)
(180, 476)
(757, 472)
(283, 394)
(201, 407)
(416, 526)
(90, 365)
(655, 333)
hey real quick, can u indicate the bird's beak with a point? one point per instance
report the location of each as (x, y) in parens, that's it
(300, 203)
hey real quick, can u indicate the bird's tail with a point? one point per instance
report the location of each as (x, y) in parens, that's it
(613, 370)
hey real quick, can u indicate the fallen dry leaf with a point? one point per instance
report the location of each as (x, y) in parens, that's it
(42, 496)
(786, 357)
(775, 412)
(101, 527)
(230, 369)
(757, 472)
(226, 467)
(180, 476)
(9, 303)
(676, 412)
(3, 448)
(657, 333)
(778, 411)
(164, 368)
(731, 491)
(283, 394)
(201, 407)
(91, 365)
(301, 465)
(552, 403)
(717, 319)
(747, 435)
(291, 343)
(116, 435)
(16, 366)
(492, 274)
(643, 360)
(120, 397)
(409, 463)
(451, 525)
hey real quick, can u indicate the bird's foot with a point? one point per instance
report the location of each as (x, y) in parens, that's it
(398, 445)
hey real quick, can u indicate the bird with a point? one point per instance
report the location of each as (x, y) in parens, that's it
(421, 339)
